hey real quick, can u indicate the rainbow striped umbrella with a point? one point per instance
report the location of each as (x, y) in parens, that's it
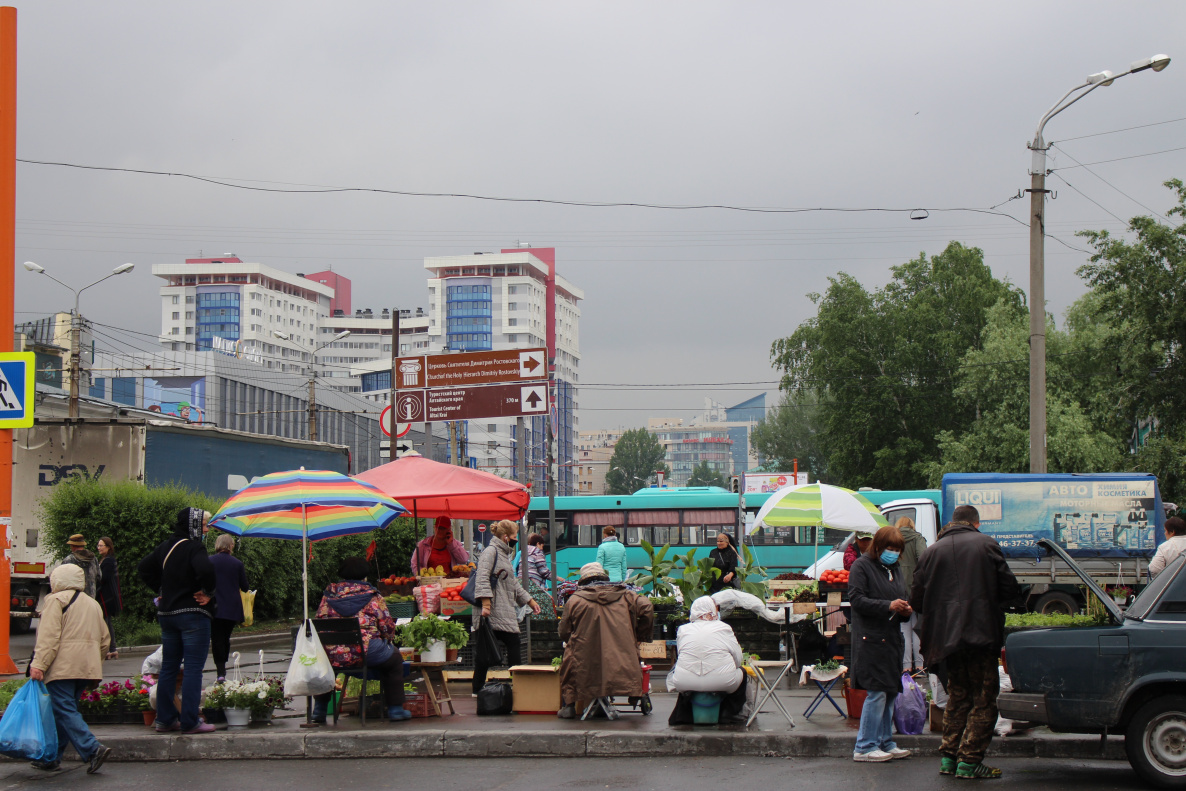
(308, 505)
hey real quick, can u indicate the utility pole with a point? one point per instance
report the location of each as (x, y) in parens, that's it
(1038, 310)
(75, 356)
(394, 356)
(7, 304)
(313, 407)
(549, 437)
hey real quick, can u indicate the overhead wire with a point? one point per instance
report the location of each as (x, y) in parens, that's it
(1125, 129)
(1122, 159)
(1110, 184)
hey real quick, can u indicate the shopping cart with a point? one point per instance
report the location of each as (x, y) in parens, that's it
(608, 708)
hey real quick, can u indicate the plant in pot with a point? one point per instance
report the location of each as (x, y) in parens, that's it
(696, 576)
(455, 640)
(657, 571)
(1120, 594)
(237, 700)
(429, 635)
(274, 698)
(134, 697)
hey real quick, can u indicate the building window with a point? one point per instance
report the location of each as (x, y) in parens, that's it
(492, 427)
(176, 315)
(176, 331)
(512, 306)
(189, 330)
(512, 322)
(189, 300)
(176, 299)
(189, 314)
(512, 289)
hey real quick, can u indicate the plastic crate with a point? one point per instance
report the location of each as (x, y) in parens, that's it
(403, 609)
(418, 704)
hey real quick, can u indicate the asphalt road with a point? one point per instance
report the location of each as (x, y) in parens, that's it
(688, 774)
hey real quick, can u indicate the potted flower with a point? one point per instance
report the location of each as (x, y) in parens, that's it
(274, 699)
(1120, 594)
(456, 639)
(134, 697)
(428, 634)
(237, 699)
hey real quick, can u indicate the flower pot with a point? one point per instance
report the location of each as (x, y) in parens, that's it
(451, 654)
(434, 653)
(262, 716)
(149, 717)
(237, 718)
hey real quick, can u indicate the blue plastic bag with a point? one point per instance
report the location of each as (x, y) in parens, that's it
(27, 729)
(910, 708)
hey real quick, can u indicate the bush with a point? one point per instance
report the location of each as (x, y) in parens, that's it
(138, 518)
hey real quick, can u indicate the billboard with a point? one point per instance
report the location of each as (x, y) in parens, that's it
(1089, 515)
(762, 482)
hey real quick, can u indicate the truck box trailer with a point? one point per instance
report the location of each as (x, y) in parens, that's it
(211, 460)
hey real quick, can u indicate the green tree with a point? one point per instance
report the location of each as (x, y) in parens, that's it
(637, 457)
(884, 364)
(703, 475)
(791, 431)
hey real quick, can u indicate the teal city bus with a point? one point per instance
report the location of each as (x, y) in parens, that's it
(687, 518)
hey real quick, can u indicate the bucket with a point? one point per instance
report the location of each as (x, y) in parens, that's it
(706, 708)
(854, 699)
(435, 652)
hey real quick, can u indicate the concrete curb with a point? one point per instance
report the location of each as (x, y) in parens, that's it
(260, 639)
(385, 741)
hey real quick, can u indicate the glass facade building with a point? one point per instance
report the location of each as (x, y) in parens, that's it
(217, 316)
(469, 319)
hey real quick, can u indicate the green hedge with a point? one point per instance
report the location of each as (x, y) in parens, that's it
(138, 518)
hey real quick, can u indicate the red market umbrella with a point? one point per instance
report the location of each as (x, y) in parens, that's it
(429, 489)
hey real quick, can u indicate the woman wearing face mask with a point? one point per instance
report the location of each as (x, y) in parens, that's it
(500, 594)
(879, 607)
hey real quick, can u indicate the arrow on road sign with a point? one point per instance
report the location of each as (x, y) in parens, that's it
(402, 449)
(534, 398)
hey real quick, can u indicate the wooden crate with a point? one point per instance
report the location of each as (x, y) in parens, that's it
(780, 587)
(803, 607)
(536, 688)
(453, 582)
(426, 581)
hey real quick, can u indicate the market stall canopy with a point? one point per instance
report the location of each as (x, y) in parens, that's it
(430, 489)
(819, 504)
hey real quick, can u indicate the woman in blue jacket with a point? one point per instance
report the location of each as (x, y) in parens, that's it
(612, 555)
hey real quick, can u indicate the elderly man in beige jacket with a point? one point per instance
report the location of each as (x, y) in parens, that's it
(72, 642)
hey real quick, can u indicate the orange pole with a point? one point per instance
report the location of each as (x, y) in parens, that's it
(7, 303)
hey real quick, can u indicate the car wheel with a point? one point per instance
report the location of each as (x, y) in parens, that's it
(1056, 603)
(1156, 742)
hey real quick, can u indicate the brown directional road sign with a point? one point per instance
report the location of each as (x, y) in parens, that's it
(472, 403)
(473, 368)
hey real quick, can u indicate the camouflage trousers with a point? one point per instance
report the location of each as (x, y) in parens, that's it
(973, 684)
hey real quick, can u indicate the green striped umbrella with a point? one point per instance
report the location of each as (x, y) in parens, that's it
(819, 504)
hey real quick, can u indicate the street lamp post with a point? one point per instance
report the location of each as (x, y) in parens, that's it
(76, 324)
(1037, 295)
(313, 377)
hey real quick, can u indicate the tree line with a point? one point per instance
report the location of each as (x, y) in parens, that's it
(893, 387)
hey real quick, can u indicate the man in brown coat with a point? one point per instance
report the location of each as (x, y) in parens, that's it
(72, 642)
(602, 626)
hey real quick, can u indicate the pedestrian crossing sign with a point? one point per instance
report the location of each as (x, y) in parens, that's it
(16, 389)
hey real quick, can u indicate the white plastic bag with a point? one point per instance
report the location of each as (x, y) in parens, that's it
(729, 599)
(309, 672)
(152, 663)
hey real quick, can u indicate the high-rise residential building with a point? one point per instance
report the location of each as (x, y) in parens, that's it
(365, 354)
(689, 445)
(740, 420)
(507, 300)
(224, 303)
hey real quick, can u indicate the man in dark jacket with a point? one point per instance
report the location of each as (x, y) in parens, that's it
(85, 559)
(914, 546)
(961, 585)
(180, 570)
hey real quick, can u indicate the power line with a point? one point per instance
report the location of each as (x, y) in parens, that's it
(1110, 184)
(1121, 159)
(319, 189)
(1076, 189)
(1125, 129)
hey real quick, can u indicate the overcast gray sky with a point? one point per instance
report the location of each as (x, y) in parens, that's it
(844, 105)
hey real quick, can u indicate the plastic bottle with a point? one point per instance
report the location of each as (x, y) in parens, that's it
(782, 649)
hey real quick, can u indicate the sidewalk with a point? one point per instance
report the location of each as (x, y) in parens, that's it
(465, 735)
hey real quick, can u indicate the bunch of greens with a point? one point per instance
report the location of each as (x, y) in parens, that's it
(425, 629)
(827, 665)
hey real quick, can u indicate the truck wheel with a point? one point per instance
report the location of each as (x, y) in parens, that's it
(1156, 742)
(20, 625)
(1056, 603)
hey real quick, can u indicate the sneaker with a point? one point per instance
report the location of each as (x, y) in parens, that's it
(160, 727)
(946, 766)
(898, 752)
(398, 713)
(967, 771)
(46, 766)
(97, 759)
(873, 756)
(568, 712)
(201, 727)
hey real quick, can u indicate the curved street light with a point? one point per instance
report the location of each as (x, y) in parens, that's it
(284, 336)
(76, 323)
(1037, 295)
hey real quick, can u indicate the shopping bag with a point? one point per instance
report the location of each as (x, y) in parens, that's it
(428, 598)
(487, 649)
(310, 671)
(496, 697)
(27, 730)
(248, 598)
(910, 708)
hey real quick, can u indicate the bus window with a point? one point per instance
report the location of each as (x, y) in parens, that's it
(585, 536)
(710, 535)
(898, 513)
(691, 535)
(662, 535)
(562, 538)
(636, 535)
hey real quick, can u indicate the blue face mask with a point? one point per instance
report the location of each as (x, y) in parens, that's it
(889, 557)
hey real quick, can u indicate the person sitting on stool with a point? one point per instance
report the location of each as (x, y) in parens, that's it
(709, 660)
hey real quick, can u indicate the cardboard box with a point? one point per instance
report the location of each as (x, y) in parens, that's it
(936, 719)
(537, 689)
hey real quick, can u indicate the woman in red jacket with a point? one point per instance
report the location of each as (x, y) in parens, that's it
(439, 549)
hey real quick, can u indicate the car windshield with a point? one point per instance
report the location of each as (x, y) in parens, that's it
(1143, 604)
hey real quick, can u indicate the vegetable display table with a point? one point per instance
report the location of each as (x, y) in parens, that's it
(434, 677)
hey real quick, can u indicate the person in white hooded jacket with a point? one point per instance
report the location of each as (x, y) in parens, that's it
(710, 657)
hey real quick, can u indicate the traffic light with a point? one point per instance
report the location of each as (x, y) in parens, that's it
(735, 484)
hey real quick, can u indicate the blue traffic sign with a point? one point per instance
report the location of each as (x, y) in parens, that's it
(16, 389)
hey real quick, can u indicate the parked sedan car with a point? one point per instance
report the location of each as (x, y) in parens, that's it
(1128, 676)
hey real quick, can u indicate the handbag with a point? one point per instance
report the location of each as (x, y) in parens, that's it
(487, 649)
(471, 585)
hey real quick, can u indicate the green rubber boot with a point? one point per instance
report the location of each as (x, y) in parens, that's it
(946, 766)
(966, 771)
